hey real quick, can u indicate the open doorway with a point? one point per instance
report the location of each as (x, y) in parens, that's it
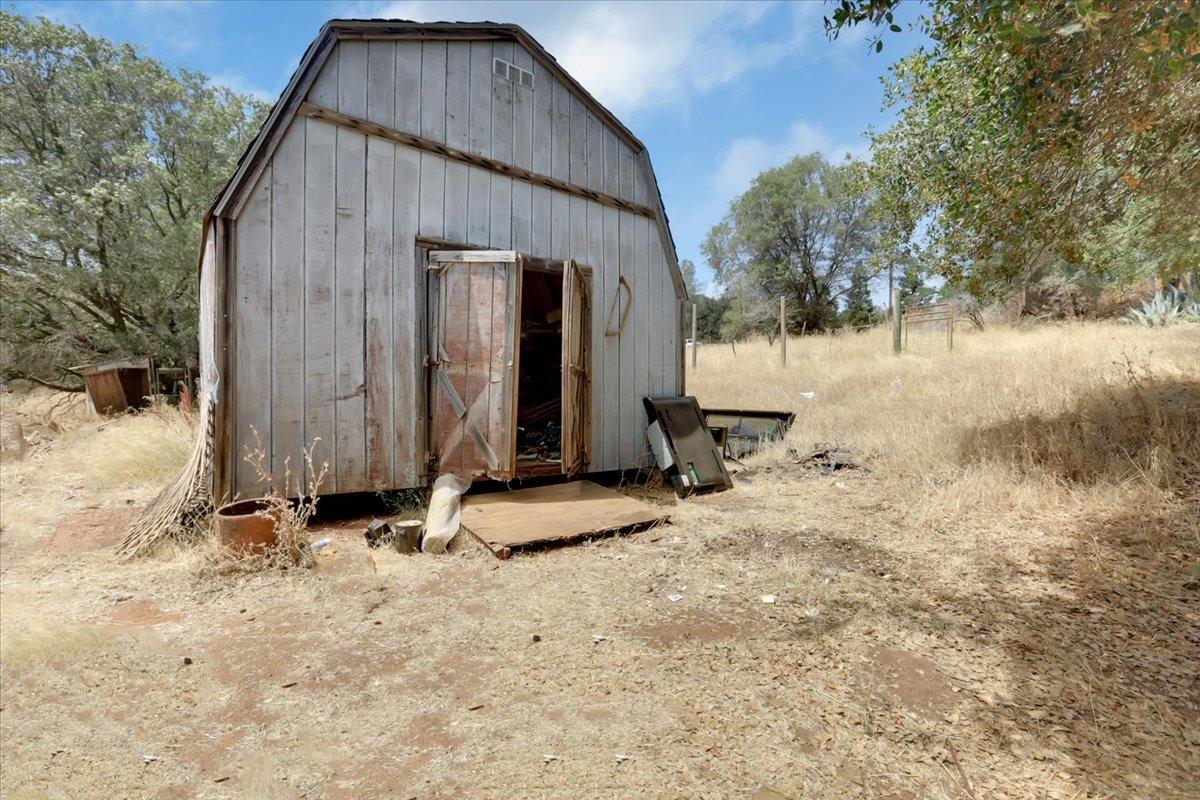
(539, 376)
(507, 386)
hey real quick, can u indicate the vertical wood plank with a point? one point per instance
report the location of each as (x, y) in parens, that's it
(379, 373)
(662, 315)
(319, 214)
(381, 82)
(612, 344)
(349, 275)
(523, 114)
(541, 222)
(522, 217)
(407, 298)
(323, 91)
(543, 93)
(408, 86)
(500, 228)
(501, 323)
(501, 204)
(503, 91)
(560, 133)
(578, 229)
(433, 126)
(352, 78)
(522, 192)
(578, 142)
(595, 259)
(612, 163)
(641, 323)
(595, 153)
(560, 225)
(479, 194)
(629, 401)
(252, 334)
(287, 310)
(433, 90)
(480, 133)
(458, 119)
(648, 333)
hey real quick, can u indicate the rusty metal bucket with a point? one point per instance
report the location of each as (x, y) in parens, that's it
(249, 526)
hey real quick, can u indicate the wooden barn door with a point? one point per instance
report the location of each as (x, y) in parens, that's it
(473, 352)
(576, 362)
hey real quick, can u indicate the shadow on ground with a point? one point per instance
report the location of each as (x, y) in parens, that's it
(1141, 429)
(1100, 638)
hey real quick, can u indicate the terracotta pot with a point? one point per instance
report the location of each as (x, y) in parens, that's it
(248, 526)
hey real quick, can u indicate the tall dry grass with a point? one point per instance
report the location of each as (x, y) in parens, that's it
(107, 459)
(1014, 425)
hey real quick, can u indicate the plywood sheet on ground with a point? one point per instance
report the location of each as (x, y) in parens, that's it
(556, 513)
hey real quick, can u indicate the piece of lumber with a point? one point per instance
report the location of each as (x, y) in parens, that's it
(369, 128)
(558, 513)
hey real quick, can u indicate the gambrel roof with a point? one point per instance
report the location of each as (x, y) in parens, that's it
(229, 199)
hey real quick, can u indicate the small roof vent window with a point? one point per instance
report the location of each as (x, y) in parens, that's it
(511, 72)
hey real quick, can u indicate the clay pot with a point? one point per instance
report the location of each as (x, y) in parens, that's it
(249, 526)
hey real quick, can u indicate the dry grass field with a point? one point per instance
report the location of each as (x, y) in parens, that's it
(1004, 602)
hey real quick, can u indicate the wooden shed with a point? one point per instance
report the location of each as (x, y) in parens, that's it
(440, 254)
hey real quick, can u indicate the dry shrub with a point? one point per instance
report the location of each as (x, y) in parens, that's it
(290, 517)
(141, 448)
(116, 458)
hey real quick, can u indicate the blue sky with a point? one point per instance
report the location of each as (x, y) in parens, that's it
(717, 91)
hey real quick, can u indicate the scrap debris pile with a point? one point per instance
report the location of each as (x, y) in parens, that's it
(828, 458)
(539, 437)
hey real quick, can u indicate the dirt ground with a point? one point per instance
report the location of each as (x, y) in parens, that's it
(898, 659)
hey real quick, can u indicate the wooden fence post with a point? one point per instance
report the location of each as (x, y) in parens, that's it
(782, 331)
(896, 314)
(695, 342)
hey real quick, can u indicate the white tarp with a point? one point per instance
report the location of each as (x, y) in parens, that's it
(445, 512)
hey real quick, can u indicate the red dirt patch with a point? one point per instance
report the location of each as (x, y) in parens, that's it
(141, 614)
(90, 529)
(459, 675)
(695, 626)
(909, 680)
(454, 582)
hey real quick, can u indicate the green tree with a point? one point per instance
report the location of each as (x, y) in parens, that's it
(688, 268)
(800, 231)
(912, 287)
(710, 312)
(860, 311)
(110, 160)
(1043, 137)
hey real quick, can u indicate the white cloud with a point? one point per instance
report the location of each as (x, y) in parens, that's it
(179, 27)
(632, 55)
(238, 83)
(748, 156)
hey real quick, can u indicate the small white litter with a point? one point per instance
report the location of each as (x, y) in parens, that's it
(812, 612)
(599, 637)
(622, 758)
(674, 598)
(768, 599)
(321, 544)
(548, 757)
(808, 395)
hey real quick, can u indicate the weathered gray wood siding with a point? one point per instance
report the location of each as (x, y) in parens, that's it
(329, 297)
